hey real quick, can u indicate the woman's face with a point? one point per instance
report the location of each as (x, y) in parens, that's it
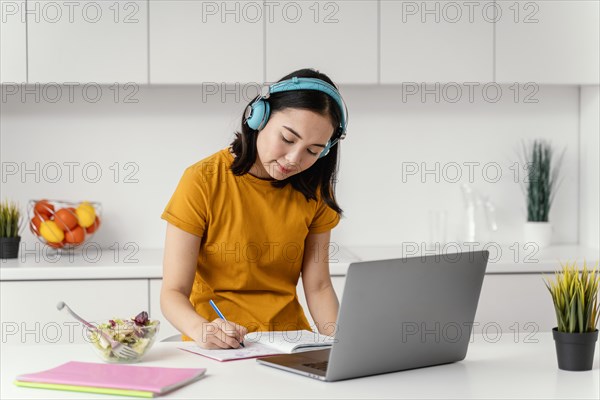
(290, 143)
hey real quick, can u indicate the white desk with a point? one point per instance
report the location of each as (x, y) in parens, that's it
(492, 369)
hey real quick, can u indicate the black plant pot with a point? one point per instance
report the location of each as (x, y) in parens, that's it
(9, 247)
(575, 351)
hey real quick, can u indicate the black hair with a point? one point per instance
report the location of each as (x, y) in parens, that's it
(322, 174)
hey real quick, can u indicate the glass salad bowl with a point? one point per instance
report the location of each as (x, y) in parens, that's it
(138, 333)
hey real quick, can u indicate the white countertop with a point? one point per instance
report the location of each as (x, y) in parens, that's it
(504, 259)
(111, 264)
(95, 264)
(506, 368)
(147, 263)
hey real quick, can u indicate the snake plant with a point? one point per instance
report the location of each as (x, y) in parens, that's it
(541, 184)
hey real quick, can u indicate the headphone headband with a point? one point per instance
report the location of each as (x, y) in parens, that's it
(312, 84)
(257, 114)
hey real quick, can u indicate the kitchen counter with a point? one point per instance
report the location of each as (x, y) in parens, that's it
(510, 366)
(98, 263)
(112, 264)
(517, 258)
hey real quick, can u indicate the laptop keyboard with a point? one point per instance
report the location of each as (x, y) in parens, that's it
(321, 365)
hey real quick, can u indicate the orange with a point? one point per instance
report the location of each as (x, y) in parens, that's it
(37, 219)
(75, 236)
(43, 207)
(94, 227)
(65, 219)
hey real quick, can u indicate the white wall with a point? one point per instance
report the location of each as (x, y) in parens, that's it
(171, 127)
(590, 166)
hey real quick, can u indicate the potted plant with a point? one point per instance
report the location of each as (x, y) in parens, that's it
(10, 223)
(540, 187)
(575, 297)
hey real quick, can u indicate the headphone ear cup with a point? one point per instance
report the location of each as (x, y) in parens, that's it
(267, 113)
(259, 114)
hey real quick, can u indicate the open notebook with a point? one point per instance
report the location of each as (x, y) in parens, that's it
(260, 344)
(117, 379)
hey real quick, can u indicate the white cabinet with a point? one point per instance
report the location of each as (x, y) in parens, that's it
(514, 303)
(338, 286)
(510, 304)
(435, 41)
(549, 42)
(13, 42)
(338, 38)
(166, 329)
(353, 41)
(100, 42)
(29, 314)
(206, 41)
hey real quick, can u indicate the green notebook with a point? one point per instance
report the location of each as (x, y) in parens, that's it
(86, 389)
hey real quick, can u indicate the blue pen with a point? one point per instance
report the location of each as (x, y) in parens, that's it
(220, 314)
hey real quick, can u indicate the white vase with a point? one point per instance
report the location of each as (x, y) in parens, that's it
(538, 232)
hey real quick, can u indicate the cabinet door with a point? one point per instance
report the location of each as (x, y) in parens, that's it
(338, 286)
(166, 329)
(13, 42)
(433, 41)
(549, 42)
(514, 303)
(87, 41)
(339, 38)
(206, 41)
(29, 314)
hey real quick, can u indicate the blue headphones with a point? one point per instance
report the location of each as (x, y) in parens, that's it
(257, 114)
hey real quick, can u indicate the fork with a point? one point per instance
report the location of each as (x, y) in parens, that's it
(119, 349)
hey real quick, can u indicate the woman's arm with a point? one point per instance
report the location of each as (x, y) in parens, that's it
(322, 301)
(179, 268)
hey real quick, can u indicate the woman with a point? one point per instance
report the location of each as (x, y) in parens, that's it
(246, 221)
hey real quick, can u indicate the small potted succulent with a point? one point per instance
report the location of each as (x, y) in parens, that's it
(540, 187)
(10, 224)
(575, 297)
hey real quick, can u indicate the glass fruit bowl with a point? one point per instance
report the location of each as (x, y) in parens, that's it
(63, 224)
(139, 333)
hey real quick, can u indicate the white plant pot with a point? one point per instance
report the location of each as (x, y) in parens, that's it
(538, 232)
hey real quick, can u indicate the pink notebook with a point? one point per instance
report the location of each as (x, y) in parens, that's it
(158, 380)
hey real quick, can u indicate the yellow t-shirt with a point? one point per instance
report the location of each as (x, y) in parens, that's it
(252, 244)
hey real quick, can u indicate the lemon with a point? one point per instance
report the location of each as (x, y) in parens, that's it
(86, 215)
(51, 232)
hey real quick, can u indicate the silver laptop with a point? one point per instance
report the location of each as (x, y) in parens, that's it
(398, 314)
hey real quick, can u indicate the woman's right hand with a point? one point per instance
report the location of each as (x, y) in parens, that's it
(220, 334)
